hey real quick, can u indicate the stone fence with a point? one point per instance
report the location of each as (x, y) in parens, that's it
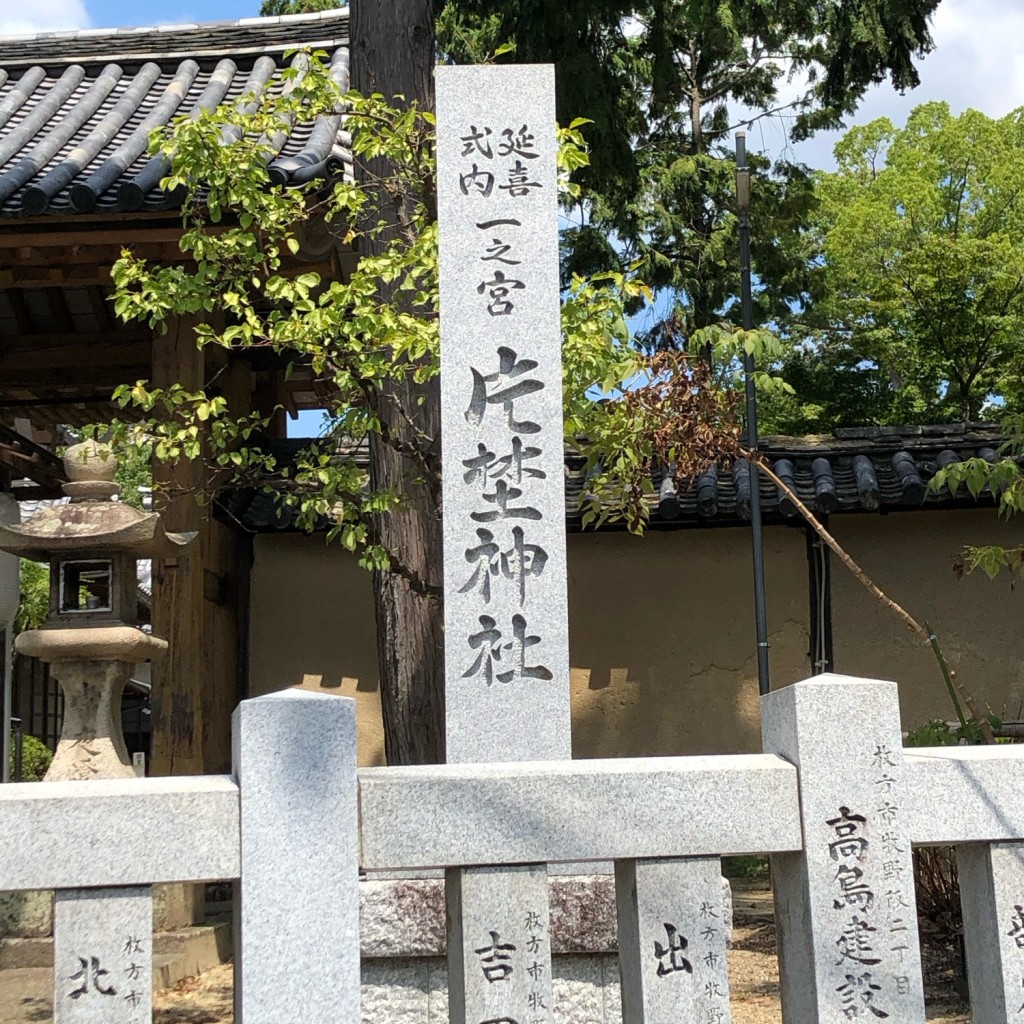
(834, 800)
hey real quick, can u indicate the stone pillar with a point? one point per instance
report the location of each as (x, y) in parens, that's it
(673, 934)
(297, 902)
(499, 944)
(506, 621)
(992, 898)
(103, 956)
(845, 907)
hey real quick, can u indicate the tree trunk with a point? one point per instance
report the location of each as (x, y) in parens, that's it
(393, 54)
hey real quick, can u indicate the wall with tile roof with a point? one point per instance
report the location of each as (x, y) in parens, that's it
(662, 627)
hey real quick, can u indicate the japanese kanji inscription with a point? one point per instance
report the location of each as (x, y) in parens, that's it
(506, 633)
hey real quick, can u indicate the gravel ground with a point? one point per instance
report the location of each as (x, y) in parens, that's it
(753, 975)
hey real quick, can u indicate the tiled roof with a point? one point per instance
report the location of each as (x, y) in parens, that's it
(77, 109)
(873, 469)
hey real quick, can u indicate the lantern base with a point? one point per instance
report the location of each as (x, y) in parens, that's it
(91, 742)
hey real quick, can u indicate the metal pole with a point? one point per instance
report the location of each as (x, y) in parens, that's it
(19, 750)
(5, 717)
(747, 306)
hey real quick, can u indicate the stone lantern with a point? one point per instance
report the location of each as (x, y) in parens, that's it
(91, 637)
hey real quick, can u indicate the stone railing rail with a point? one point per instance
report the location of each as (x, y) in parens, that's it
(834, 800)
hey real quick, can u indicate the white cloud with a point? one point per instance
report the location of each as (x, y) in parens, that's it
(44, 16)
(977, 62)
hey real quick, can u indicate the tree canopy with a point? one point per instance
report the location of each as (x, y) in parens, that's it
(666, 83)
(922, 254)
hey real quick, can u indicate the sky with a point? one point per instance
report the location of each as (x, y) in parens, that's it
(978, 61)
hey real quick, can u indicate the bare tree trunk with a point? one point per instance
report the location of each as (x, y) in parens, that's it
(393, 54)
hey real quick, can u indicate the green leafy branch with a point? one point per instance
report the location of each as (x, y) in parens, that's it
(1002, 479)
(243, 278)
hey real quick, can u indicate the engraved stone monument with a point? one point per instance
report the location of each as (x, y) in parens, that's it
(506, 623)
(854, 882)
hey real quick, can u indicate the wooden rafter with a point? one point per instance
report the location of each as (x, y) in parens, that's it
(22, 457)
(21, 313)
(101, 309)
(58, 304)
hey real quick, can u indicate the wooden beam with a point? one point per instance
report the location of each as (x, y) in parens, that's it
(77, 267)
(22, 465)
(289, 402)
(21, 314)
(54, 400)
(78, 366)
(99, 380)
(101, 309)
(25, 444)
(60, 309)
(38, 493)
(179, 678)
(53, 277)
(79, 255)
(122, 234)
(49, 342)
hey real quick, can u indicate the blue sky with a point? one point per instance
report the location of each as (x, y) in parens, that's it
(109, 13)
(46, 15)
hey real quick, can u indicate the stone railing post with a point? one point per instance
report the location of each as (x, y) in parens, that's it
(673, 933)
(297, 911)
(992, 897)
(845, 907)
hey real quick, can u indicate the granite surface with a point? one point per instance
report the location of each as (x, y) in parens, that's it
(499, 945)
(61, 835)
(103, 956)
(672, 941)
(992, 898)
(979, 789)
(297, 905)
(506, 619)
(586, 991)
(845, 907)
(448, 815)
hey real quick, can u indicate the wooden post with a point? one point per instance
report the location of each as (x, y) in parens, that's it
(198, 601)
(226, 562)
(178, 680)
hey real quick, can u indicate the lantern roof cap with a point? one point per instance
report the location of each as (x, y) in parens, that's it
(92, 521)
(91, 526)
